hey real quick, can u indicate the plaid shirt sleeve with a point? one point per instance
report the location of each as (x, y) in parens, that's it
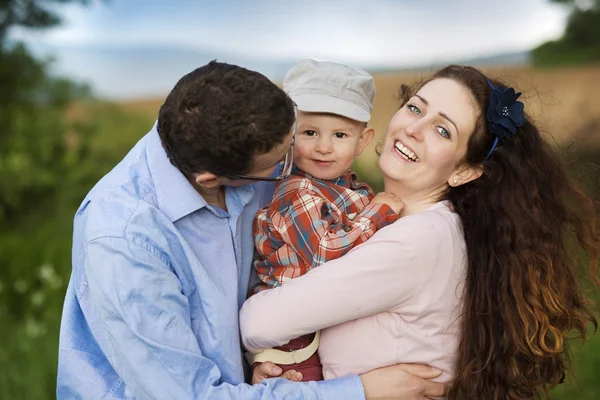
(318, 231)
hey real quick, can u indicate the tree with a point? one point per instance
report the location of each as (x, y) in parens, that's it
(580, 42)
(31, 110)
(33, 14)
(42, 177)
(580, 4)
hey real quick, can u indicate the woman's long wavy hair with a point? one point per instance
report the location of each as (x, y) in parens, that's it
(525, 223)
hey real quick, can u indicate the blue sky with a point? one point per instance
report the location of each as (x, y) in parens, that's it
(129, 49)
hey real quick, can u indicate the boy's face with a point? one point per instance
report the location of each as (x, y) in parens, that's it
(327, 144)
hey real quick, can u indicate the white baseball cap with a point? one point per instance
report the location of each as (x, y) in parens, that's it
(328, 87)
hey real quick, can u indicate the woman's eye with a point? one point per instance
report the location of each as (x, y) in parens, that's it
(414, 109)
(310, 133)
(444, 132)
(340, 135)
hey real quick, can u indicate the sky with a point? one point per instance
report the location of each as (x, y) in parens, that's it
(133, 48)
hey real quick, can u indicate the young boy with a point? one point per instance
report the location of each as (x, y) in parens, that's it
(321, 211)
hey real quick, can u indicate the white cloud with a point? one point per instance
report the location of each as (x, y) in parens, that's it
(371, 34)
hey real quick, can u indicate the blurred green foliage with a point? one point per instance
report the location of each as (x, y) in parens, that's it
(56, 141)
(35, 233)
(49, 159)
(580, 43)
(48, 162)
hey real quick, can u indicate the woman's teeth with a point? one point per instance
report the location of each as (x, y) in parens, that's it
(406, 153)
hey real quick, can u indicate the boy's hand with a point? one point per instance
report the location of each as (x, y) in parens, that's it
(391, 200)
(269, 370)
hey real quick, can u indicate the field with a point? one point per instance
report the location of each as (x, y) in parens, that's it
(35, 258)
(564, 102)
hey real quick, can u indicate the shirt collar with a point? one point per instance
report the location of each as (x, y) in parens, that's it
(176, 196)
(347, 180)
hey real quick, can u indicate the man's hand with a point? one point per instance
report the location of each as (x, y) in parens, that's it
(402, 382)
(269, 370)
(390, 199)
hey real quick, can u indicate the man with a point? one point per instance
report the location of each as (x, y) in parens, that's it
(162, 249)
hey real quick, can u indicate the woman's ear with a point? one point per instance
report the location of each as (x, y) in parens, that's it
(465, 174)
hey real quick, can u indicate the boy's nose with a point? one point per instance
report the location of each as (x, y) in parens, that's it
(324, 146)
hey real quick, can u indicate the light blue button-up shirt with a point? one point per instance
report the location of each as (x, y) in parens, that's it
(159, 275)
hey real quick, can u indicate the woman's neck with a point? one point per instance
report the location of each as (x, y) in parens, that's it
(414, 201)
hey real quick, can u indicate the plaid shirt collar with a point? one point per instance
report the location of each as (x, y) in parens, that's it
(347, 180)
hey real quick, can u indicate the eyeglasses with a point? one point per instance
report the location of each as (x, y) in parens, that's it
(287, 163)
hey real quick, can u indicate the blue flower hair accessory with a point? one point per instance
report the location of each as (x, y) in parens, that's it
(504, 113)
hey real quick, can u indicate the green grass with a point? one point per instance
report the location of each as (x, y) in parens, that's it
(36, 257)
(585, 384)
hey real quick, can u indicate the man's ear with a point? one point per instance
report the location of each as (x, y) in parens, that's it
(465, 174)
(206, 180)
(365, 138)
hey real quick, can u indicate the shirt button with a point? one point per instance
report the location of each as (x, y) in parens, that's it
(347, 228)
(324, 211)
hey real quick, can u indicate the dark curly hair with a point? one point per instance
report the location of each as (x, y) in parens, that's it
(219, 116)
(525, 223)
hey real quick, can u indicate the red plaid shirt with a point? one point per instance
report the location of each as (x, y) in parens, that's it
(311, 221)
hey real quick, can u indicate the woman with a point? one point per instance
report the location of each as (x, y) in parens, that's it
(477, 277)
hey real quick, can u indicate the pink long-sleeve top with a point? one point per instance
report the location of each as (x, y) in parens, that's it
(394, 299)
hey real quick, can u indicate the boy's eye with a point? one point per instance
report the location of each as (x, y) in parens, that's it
(310, 133)
(414, 109)
(340, 135)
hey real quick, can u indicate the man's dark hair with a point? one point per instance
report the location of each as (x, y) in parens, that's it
(219, 116)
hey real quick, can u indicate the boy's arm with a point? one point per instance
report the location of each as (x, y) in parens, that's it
(150, 343)
(263, 246)
(317, 230)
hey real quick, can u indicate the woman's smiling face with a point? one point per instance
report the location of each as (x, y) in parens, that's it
(427, 138)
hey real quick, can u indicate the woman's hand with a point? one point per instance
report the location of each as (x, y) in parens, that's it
(402, 382)
(269, 370)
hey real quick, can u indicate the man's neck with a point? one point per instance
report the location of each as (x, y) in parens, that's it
(214, 196)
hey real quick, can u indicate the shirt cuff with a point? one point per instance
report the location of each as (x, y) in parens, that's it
(380, 214)
(347, 387)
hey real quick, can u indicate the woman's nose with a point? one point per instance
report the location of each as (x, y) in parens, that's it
(415, 129)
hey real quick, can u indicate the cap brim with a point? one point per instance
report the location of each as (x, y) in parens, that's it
(332, 105)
